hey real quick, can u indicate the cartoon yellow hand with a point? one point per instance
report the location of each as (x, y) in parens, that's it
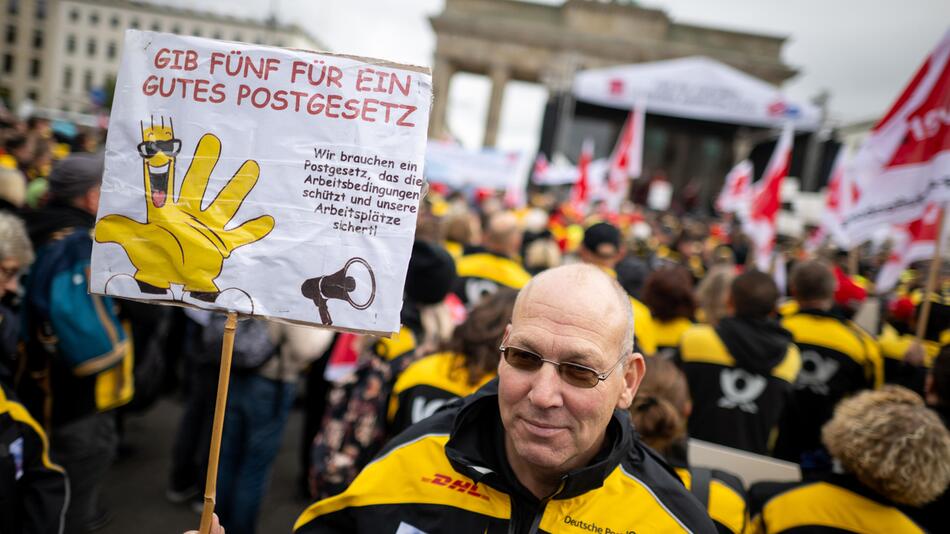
(181, 243)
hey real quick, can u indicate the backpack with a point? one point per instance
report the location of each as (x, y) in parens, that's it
(253, 346)
(80, 329)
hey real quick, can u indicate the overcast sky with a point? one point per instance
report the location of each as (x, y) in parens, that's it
(862, 51)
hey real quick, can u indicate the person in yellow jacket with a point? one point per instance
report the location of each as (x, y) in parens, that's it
(838, 359)
(601, 247)
(482, 273)
(546, 447)
(892, 452)
(659, 413)
(469, 361)
(668, 292)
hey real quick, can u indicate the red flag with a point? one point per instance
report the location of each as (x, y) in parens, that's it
(766, 200)
(904, 163)
(580, 194)
(913, 241)
(840, 198)
(736, 192)
(626, 161)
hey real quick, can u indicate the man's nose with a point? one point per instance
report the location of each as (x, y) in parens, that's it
(546, 388)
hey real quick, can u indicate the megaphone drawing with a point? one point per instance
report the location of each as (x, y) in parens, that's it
(339, 285)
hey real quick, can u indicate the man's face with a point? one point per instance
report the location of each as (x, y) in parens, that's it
(9, 276)
(550, 424)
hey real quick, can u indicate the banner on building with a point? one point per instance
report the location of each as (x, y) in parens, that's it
(270, 182)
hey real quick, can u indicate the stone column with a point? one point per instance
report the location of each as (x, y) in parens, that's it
(499, 78)
(441, 83)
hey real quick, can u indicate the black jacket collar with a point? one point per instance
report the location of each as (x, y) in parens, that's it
(476, 448)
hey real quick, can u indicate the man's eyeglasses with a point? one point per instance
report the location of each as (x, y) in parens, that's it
(9, 273)
(147, 149)
(574, 374)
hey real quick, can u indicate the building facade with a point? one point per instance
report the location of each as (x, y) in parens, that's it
(64, 54)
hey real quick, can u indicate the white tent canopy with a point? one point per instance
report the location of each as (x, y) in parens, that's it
(694, 88)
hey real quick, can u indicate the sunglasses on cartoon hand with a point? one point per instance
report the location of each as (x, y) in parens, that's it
(574, 374)
(149, 148)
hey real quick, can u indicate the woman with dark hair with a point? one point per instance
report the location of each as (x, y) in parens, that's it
(659, 413)
(467, 362)
(668, 292)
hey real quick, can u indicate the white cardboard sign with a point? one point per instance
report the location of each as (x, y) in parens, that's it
(272, 182)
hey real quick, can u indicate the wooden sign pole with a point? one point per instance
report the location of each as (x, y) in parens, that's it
(924, 316)
(224, 377)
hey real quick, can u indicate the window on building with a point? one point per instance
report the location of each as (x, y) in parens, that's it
(35, 68)
(38, 39)
(111, 50)
(7, 63)
(40, 9)
(216, 35)
(11, 34)
(176, 29)
(87, 80)
(134, 24)
(67, 78)
(91, 47)
(156, 27)
(33, 95)
(94, 18)
(70, 44)
(196, 32)
(114, 21)
(237, 37)
(13, 6)
(74, 15)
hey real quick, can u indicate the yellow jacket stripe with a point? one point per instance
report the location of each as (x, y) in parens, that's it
(414, 473)
(701, 344)
(491, 267)
(827, 505)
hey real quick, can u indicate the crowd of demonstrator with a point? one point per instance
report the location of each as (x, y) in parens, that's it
(551, 367)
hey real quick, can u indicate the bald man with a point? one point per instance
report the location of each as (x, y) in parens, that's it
(482, 272)
(546, 447)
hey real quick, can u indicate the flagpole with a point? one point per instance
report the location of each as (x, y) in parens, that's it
(924, 316)
(220, 406)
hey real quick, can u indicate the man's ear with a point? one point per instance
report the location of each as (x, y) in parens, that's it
(633, 373)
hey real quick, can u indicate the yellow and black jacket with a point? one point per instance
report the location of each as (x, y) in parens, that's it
(644, 328)
(449, 474)
(831, 504)
(483, 273)
(895, 341)
(33, 494)
(669, 334)
(740, 375)
(721, 493)
(838, 359)
(427, 385)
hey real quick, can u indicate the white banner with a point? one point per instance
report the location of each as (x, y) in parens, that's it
(904, 164)
(694, 88)
(278, 183)
(460, 168)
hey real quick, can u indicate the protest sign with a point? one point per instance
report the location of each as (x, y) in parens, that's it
(264, 181)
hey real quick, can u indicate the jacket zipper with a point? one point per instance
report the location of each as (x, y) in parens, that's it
(536, 522)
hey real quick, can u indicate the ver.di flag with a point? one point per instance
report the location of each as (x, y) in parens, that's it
(736, 192)
(913, 241)
(760, 223)
(905, 162)
(626, 161)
